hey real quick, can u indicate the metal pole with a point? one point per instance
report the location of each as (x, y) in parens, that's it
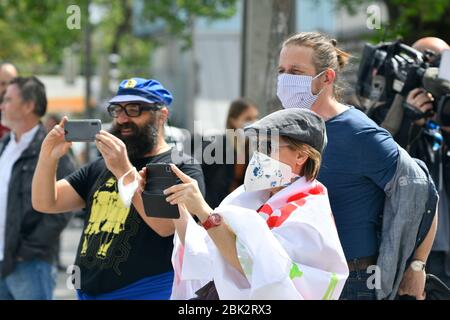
(243, 47)
(87, 70)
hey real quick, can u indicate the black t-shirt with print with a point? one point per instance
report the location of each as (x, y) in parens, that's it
(117, 248)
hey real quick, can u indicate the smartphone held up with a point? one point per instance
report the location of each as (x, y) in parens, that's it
(159, 177)
(82, 130)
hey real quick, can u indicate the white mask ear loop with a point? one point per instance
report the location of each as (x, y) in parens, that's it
(126, 193)
(316, 95)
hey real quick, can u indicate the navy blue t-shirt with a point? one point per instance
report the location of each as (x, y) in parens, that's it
(359, 160)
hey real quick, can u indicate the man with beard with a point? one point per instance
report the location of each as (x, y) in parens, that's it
(122, 254)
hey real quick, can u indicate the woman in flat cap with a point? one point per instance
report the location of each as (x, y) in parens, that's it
(274, 237)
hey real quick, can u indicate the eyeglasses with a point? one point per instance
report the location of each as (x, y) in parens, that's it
(266, 147)
(132, 109)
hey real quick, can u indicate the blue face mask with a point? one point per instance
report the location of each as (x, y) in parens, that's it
(294, 91)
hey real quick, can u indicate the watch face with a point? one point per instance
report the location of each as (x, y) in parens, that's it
(417, 266)
(216, 219)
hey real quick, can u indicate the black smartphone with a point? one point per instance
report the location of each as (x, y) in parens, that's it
(82, 130)
(159, 178)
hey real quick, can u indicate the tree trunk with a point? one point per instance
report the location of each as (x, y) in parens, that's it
(123, 28)
(279, 31)
(266, 25)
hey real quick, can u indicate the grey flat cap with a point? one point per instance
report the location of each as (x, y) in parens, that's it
(297, 123)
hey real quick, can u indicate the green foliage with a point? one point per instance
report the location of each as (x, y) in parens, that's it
(179, 13)
(409, 19)
(34, 32)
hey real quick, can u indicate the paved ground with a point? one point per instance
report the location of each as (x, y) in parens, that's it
(69, 243)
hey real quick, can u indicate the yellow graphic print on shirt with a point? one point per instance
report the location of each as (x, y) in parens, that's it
(108, 216)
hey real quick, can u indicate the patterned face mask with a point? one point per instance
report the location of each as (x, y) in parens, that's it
(294, 91)
(264, 172)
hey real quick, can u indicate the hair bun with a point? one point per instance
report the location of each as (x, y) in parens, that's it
(333, 42)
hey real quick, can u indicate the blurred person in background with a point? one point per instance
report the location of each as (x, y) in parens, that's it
(51, 120)
(227, 172)
(28, 239)
(7, 73)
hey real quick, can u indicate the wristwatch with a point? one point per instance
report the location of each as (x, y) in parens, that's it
(418, 265)
(214, 220)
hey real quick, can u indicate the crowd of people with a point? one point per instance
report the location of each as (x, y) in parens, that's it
(323, 202)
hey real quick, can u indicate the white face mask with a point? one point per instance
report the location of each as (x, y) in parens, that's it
(294, 91)
(246, 124)
(126, 193)
(264, 172)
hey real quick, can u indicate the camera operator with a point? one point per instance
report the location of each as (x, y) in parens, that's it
(410, 121)
(420, 99)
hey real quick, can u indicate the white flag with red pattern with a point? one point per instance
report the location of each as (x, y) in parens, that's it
(288, 247)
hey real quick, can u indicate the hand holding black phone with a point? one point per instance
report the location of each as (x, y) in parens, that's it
(159, 178)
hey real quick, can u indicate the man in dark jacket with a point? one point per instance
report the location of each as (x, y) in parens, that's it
(28, 239)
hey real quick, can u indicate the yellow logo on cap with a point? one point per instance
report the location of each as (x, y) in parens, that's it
(130, 83)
